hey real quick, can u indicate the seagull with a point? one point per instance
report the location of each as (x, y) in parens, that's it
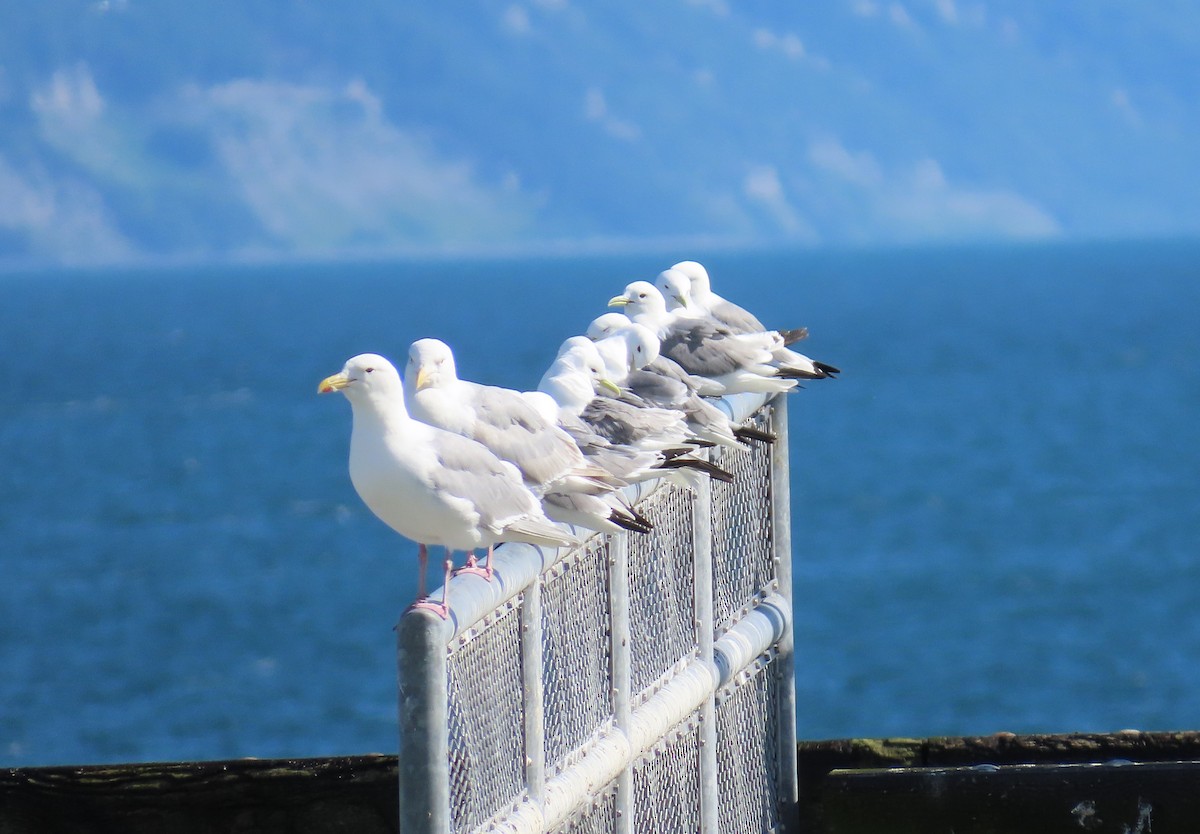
(631, 355)
(430, 485)
(726, 313)
(574, 380)
(679, 294)
(572, 490)
(615, 434)
(733, 363)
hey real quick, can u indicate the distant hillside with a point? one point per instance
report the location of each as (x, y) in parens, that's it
(231, 128)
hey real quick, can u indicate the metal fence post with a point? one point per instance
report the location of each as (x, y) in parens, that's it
(532, 686)
(424, 758)
(618, 583)
(702, 568)
(785, 664)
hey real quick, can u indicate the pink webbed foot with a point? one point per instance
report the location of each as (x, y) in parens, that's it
(439, 608)
(473, 567)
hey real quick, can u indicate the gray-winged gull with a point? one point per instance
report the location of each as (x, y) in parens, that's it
(572, 489)
(734, 362)
(679, 292)
(725, 312)
(572, 382)
(430, 485)
(631, 355)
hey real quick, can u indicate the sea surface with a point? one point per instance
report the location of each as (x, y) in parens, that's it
(996, 514)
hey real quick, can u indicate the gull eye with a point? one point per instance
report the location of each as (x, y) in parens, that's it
(370, 370)
(641, 295)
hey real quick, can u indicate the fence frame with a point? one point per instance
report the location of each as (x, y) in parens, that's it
(423, 639)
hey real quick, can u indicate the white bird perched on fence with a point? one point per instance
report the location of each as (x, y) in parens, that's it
(631, 354)
(428, 484)
(572, 490)
(679, 292)
(732, 363)
(573, 380)
(615, 434)
(726, 313)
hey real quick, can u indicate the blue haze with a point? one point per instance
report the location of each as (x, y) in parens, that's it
(995, 515)
(132, 130)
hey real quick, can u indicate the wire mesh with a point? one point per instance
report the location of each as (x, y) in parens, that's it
(486, 720)
(663, 632)
(577, 659)
(748, 770)
(742, 539)
(666, 785)
(581, 729)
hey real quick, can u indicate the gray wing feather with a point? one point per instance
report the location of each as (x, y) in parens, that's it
(625, 424)
(657, 389)
(736, 319)
(516, 432)
(706, 350)
(469, 472)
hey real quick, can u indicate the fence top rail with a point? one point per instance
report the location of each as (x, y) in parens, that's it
(515, 565)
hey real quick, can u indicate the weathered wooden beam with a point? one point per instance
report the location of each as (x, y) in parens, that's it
(313, 796)
(845, 785)
(1108, 798)
(851, 785)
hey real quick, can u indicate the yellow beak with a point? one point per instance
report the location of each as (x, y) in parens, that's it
(609, 385)
(618, 301)
(333, 383)
(422, 378)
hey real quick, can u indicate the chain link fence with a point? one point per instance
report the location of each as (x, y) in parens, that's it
(635, 683)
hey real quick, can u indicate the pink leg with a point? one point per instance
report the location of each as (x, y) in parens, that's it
(473, 566)
(442, 609)
(423, 557)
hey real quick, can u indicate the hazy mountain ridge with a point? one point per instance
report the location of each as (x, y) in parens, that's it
(298, 129)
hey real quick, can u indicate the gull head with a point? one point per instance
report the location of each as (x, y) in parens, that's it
(430, 364)
(643, 346)
(581, 355)
(676, 287)
(364, 375)
(607, 325)
(697, 275)
(641, 298)
(576, 373)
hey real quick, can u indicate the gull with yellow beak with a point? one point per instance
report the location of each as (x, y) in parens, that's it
(572, 489)
(733, 363)
(702, 301)
(680, 295)
(430, 485)
(578, 382)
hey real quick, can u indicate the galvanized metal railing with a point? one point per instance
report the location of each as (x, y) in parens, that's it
(635, 683)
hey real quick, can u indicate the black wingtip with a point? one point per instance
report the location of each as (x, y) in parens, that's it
(751, 433)
(798, 334)
(634, 523)
(786, 372)
(823, 371)
(710, 469)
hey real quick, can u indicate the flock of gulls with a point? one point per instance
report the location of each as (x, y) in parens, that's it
(465, 466)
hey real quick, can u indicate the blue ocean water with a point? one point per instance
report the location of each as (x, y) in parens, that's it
(996, 509)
